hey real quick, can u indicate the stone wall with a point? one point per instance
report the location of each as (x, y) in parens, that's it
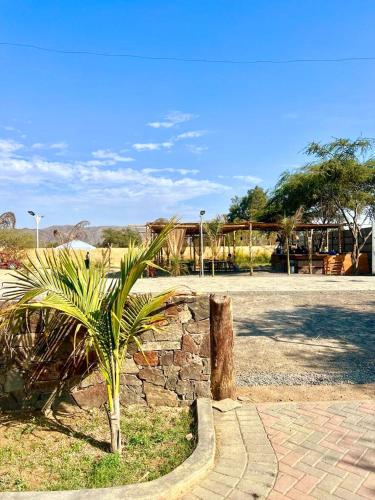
(173, 370)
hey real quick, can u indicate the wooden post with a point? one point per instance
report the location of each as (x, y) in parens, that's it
(194, 253)
(251, 247)
(340, 239)
(310, 248)
(221, 332)
(234, 245)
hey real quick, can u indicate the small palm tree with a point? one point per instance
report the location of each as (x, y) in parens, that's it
(213, 230)
(288, 225)
(104, 310)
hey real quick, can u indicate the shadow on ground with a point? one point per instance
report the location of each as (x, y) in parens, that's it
(315, 336)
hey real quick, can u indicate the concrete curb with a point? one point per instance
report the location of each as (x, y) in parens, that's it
(168, 487)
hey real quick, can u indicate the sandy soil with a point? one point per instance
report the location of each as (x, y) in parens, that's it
(274, 394)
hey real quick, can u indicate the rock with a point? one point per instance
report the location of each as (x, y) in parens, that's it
(172, 312)
(157, 396)
(146, 358)
(205, 348)
(13, 381)
(171, 332)
(206, 366)
(166, 359)
(202, 389)
(132, 396)
(183, 387)
(163, 345)
(129, 366)
(133, 380)
(90, 397)
(64, 408)
(184, 315)
(91, 379)
(192, 372)
(147, 336)
(188, 344)
(226, 405)
(152, 375)
(198, 327)
(189, 436)
(171, 383)
(182, 358)
(171, 371)
(200, 308)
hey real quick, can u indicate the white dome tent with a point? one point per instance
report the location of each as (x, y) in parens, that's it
(76, 245)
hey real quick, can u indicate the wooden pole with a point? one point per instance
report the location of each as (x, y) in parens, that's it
(195, 256)
(251, 248)
(310, 247)
(222, 363)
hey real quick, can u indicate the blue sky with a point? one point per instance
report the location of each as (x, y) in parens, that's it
(118, 141)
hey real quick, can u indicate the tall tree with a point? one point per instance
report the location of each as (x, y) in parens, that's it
(120, 238)
(249, 207)
(344, 172)
(337, 186)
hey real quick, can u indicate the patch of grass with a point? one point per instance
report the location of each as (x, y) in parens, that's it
(260, 258)
(38, 453)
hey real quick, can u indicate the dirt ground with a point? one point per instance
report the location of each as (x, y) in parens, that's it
(277, 393)
(304, 337)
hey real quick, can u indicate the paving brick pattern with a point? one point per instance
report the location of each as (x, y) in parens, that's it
(246, 465)
(324, 450)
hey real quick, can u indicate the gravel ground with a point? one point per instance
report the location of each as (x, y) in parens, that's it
(364, 376)
(304, 338)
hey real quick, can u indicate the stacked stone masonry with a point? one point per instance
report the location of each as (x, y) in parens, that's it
(172, 370)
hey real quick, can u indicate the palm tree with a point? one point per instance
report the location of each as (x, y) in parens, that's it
(105, 311)
(288, 225)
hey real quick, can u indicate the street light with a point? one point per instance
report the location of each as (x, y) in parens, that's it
(37, 219)
(201, 213)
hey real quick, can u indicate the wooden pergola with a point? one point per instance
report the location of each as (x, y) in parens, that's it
(192, 229)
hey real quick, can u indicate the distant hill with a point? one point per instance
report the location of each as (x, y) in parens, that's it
(92, 234)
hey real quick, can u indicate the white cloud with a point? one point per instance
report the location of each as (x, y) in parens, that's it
(182, 171)
(172, 119)
(152, 146)
(94, 181)
(59, 145)
(107, 154)
(9, 146)
(193, 134)
(197, 150)
(249, 179)
(56, 145)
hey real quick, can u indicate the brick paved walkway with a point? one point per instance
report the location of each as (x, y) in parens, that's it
(295, 451)
(324, 450)
(246, 464)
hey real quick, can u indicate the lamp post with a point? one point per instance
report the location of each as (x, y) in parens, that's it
(37, 219)
(201, 213)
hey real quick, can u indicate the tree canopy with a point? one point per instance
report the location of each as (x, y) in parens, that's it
(16, 239)
(249, 207)
(120, 238)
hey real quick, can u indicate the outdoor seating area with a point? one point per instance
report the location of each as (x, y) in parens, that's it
(311, 248)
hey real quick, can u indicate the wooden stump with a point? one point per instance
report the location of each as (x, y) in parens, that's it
(221, 332)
